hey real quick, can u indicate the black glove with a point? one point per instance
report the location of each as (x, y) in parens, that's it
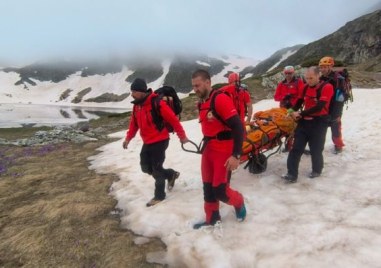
(286, 102)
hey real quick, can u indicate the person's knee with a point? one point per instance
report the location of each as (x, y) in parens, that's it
(146, 169)
(220, 192)
(298, 146)
(296, 151)
(159, 176)
(317, 149)
(208, 193)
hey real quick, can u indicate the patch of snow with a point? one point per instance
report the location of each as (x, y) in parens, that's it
(202, 63)
(248, 75)
(141, 240)
(235, 64)
(284, 57)
(331, 221)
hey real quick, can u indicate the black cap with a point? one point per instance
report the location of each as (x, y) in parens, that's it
(139, 85)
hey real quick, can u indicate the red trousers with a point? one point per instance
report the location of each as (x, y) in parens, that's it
(337, 136)
(216, 185)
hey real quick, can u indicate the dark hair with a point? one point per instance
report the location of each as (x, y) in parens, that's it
(201, 73)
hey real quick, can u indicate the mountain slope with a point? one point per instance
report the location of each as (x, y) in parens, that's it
(273, 61)
(356, 42)
(107, 83)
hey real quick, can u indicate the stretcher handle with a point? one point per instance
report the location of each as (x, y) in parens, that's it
(197, 151)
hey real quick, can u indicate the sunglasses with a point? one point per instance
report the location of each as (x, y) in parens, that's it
(288, 72)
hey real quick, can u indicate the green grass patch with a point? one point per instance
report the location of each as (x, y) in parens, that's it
(20, 132)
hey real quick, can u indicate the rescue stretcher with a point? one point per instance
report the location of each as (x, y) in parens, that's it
(268, 130)
(265, 133)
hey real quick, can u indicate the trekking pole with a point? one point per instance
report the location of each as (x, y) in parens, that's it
(197, 151)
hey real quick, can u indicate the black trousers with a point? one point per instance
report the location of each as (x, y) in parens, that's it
(152, 157)
(312, 132)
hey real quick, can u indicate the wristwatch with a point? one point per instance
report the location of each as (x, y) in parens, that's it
(238, 156)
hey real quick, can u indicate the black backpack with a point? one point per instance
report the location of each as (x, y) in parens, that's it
(343, 83)
(169, 95)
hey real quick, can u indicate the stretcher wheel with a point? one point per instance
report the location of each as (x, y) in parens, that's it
(258, 164)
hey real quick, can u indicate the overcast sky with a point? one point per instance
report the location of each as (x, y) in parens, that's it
(38, 29)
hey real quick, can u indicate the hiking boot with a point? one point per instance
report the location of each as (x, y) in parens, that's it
(240, 213)
(171, 181)
(203, 224)
(314, 174)
(153, 202)
(289, 178)
(338, 150)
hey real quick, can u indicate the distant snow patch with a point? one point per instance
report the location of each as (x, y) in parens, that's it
(202, 63)
(235, 64)
(284, 56)
(247, 75)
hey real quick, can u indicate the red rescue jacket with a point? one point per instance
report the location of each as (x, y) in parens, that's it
(311, 98)
(292, 90)
(211, 126)
(141, 119)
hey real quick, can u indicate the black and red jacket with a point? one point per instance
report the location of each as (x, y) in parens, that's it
(141, 119)
(314, 105)
(287, 93)
(228, 122)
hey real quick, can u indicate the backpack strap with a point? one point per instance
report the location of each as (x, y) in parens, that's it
(134, 114)
(318, 90)
(236, 98)
(337, 77)
(212, 107)
(155, 113)
(305, 90)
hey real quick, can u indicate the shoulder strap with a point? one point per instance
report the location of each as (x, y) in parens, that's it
(155, 113)
(213, 106)
(236, 99)
(305, 90)
(319, 89)
(134, 114)
(155, 102)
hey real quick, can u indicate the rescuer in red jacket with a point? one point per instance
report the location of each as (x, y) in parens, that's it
(288, 91)
(221, 151)
(327, 74)
(155, 142)
(244, 99)
(312, 126)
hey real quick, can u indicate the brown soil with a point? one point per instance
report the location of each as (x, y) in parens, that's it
(363, 79)
(55, 212)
